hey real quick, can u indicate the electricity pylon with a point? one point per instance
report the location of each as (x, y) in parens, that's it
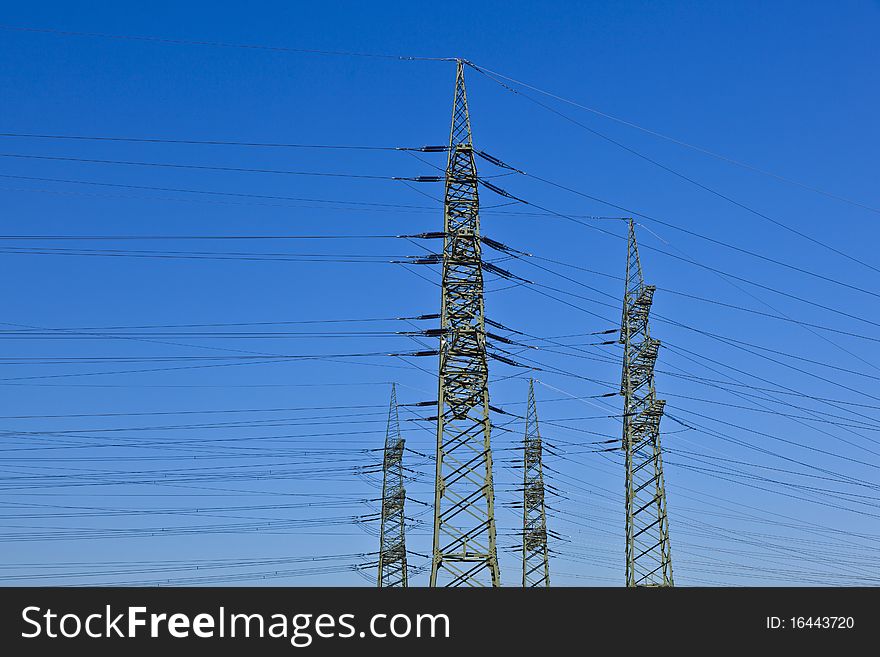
(392, 540)
(648, 557)
(464, 552)
(536, 567)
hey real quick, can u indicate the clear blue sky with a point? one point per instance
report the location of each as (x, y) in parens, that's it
(769, 486)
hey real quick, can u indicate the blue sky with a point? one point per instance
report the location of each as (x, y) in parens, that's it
(777, 485)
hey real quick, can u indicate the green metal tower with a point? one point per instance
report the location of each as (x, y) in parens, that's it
(648, 557)
(464, 552)
(536, 565)
(392, 539)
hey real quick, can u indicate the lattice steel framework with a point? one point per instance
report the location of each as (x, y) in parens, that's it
(648, 557)
(536, 565)
(392, 535)
(464, 552)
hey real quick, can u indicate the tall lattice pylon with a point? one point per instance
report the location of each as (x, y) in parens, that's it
(392, 535)
(536, 564)
(464, 551)
(648, 557)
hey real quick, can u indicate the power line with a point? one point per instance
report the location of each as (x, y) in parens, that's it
(655, 133)
(726, 340)
(716, 302)
(220, 142)
(712, 240)
(191, 237)
(347, 320)
(218, 193)
(205, 167)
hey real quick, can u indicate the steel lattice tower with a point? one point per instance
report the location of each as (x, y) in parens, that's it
(536, 566)
(648, 557)
(392, 541)
(464, 552)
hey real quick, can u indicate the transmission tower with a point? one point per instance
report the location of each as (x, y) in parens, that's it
(648, 557)
(536, 567)
(464, 552)
(392, 541)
